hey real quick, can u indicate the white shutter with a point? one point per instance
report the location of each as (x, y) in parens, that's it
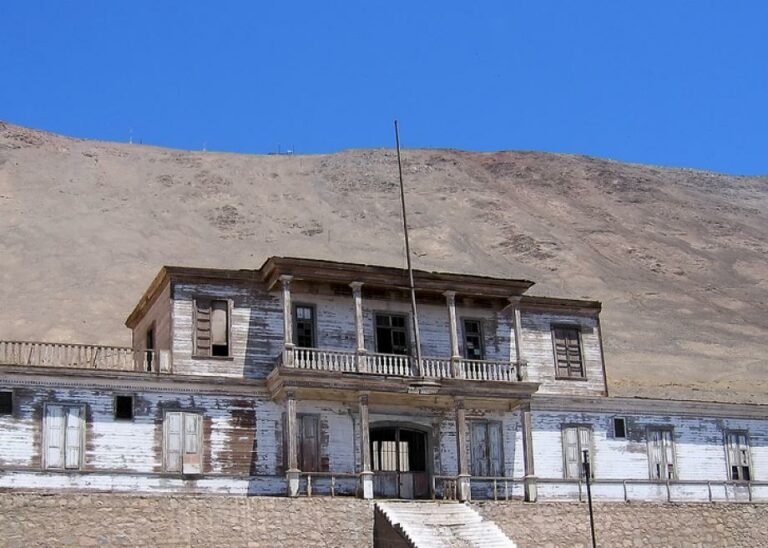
(669, 455)
(173, 442)
(571, 453)
(585, 444)
(54, 436)
(496, 453)
(192, 459)
(654, 454)
(73, 437)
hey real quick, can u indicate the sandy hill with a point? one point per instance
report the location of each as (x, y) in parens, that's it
(678, 257)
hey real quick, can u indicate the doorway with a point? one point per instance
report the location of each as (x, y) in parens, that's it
(399, 462)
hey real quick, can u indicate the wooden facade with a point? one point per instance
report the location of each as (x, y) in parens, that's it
(217, 396)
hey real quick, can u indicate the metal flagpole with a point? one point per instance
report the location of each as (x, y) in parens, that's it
(408, 253)
(587, 474)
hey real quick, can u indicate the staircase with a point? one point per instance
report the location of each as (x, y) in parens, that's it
(435, 525)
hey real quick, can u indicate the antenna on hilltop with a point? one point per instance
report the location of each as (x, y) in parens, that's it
(130, 136)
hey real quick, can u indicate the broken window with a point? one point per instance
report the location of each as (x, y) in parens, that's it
(6, 402)
(737, 447)
(304, 322)
(486, 456)
(661, 454)
(123, 407)
(619, 428)
(212, 326)
(63, 436)
(576, 440)
(567, 347)
(183, 442)
(391, 334)
(473, 340)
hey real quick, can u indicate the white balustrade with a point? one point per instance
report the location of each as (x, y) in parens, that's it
(76, 356)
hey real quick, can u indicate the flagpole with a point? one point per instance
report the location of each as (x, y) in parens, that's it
(408, 252)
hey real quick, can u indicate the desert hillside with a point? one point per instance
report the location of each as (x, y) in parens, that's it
(679, 258)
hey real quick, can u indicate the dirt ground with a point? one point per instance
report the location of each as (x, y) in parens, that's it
(679, 258)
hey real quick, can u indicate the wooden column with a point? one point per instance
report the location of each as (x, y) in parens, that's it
(450, 301)
(462, 451)
(292, 475)
(357, 295)
(522, 365)
(285, 279)
(366, 475)
(529, 474)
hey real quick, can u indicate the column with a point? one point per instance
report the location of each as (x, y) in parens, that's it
(522, 364)
(450, 301)
(357, 294)
(366, 475)
(529, 475)
(462, 452)
(285, 279)
(292, 474)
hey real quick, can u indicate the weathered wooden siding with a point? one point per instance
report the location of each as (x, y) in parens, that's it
(538, 350)
(159, 314)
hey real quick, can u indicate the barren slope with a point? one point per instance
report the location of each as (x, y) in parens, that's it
(678, 257)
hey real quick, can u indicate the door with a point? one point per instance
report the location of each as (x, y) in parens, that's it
(399, 463)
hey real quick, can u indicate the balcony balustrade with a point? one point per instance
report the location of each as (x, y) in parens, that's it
(78, 356)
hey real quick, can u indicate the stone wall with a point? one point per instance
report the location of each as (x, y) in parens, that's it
(550, 525)
(177, 520)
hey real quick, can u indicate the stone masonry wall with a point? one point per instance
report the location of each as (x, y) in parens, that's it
(177, 520)
(550, 525)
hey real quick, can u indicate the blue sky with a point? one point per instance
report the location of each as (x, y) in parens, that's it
(672, 82)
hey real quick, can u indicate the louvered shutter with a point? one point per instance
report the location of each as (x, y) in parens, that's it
(571, 452)
(567, 352)
(73, 437)
(173, 437)
(574, 354)
(561, 353)
(479, 449)
(54, 436)
(496, 453)
(202, 327)
(192, 459)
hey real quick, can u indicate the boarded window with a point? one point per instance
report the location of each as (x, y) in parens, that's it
(183, 442)
(576, 440)
(619, 428)
(661, 455)
(391, 334)
(473, 340)
(63, 432)
(304, 323)
(737, 447)
(6, 402)
(486, 457)
(567, 348)
(123, 407)
(212, 326)
(309, 443)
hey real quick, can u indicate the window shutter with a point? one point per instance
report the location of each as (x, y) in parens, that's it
(73, 437)
(571, 452)
(173, 442)
(192, 462)
(496, 459)
(54, 436)
(561, 353)
(479, 449)
(219, 323)
(669, 456)
(585, 443)
(202, 327)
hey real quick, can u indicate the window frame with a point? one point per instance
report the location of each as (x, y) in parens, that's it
(313, 307)
(81, 453)
(673, 444)
(481, 325)
(729, 464)
(407, 329)
(580, 449)
(578, 329)
(114, 407)
(12, 394)
(211, 299)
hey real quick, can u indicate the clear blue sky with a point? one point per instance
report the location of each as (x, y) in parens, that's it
(669, 82)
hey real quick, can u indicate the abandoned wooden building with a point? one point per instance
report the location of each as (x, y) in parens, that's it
(301, 378)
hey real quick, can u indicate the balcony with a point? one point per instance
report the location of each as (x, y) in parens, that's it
(79, 356)
(396, 365)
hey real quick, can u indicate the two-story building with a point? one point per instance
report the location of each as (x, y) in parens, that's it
(301, 378)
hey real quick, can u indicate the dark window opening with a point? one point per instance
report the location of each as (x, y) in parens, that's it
(473, 340)
(150, 346)
(304, 326)
(212, 325)
(568, 359)
(6, 403)
(619, 428)
(124, 407)
(391, 334)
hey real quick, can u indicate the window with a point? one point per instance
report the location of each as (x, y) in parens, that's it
(473, 340)
(182, 442)
(619, 428)
(661, 454)
(150, 346)
(212, 325)
(63, 433)
(304, 322)
(391, 334)
(486, 457)
(737, 448)
(567, 346)
(309, 443)
(6, 402)
(576, 440)
(123, 407)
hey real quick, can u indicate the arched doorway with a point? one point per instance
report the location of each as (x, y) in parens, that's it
(399, 462)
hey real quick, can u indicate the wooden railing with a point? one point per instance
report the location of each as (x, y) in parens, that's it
(315, 487)
(398, 365)
(75, 356)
